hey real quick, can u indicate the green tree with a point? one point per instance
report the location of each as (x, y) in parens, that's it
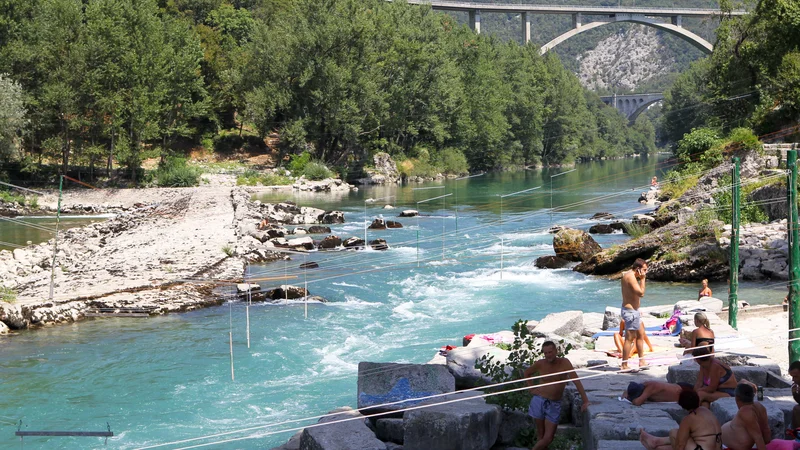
(12, 117)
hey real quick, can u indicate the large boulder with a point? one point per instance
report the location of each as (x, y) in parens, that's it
(379, 244)
(12, 316)
(353, 242)
(318, 229)
(470, 424)
(461, 362)
(305, 243)
(409, 213)
(551, 262)
(378, 224)
(611, 420)
(390, 430)
(575, 245)
(513, 422)
(380, 383)
(612, 317)
(329, 217)
(285, 292)
(384, 171)
(601, 228)
(560, 324)
(349, 433)
(330, 242)
(706, 304)
(393, 224)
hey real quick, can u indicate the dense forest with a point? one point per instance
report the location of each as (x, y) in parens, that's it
(108, 83)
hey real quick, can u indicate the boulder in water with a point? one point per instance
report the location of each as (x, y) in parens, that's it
(353, 242)
(409, 213)
(331, 217)
(575, 245)
(286, 292)
(602, 216)
(378, 224)
(393, 224)
(601, 228)
(550, 262)
(379, 244)
(330, 242)
(318, 229)
(309, 265)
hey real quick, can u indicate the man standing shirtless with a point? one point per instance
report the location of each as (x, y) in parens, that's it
(633, 286)
(545, 407)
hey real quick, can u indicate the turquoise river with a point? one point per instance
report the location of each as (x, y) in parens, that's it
(163, 380)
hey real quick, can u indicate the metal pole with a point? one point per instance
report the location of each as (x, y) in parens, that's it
(794, 257)
(501, 257)
(55, 240)
(305, 283)
(733, 291)
(230, 335)
(456, 206)
(365, 224)
(417, 234)
(444, 210)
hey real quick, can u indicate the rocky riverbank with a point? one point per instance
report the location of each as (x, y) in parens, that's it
(161, 253)
(453, 417)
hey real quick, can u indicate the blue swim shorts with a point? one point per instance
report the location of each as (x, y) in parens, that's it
(542, 408)
(632, 318)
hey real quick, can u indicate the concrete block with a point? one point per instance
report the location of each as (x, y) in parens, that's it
(618, 421)
(685, 372)
(350, 435)
(513, 422)
(380, 383)
(560, 324)
(465, 425)
(725, 409)
(389, 430)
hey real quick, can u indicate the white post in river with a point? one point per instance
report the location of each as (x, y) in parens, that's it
(249, 301)
(425, 201)
(456, 192)
(502, 241)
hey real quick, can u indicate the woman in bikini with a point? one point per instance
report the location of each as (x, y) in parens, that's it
(702, 335)
(715, 380)
(699, 430)
(618, 340)
(705, 292)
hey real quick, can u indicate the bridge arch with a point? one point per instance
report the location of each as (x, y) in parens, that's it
(642, 107)
(676, 30)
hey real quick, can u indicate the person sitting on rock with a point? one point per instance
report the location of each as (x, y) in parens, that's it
(618, 339)
(654, 184)
(702, 335)
(654, 391)
(264, 224)
(705, 291)
(715, 380)
(553, 372)
(749, 428)
(699, 430)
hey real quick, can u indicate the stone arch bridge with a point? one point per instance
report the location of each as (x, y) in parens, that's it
(666, 19)
(633, 104)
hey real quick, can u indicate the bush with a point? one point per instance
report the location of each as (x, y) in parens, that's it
(298, 163)
(636, 230)
(8, 197)
(7, 295)
(452, 161)
(744, 139)
(695, 143)
(33, 202)
(748, 212)
(524, 353)
(174, 172)
(317, 171)
(677, 183)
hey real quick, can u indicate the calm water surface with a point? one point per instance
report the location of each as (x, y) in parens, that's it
(167, 379)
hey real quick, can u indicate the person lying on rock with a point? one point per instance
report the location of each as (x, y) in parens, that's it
(749, 428)
(702, 335)
(699, 430)
(654, 391)
(618, 339)
(545, 407)
(715, 380)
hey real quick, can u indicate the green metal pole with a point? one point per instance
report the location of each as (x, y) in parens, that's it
(794, 256)
(733, 291)
(55, 241)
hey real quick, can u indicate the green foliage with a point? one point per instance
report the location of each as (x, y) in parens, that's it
(316, 170)
(228, 250)
(523, 354)
(174, 172)
(703, 220)
(743, 139)
(9, 197)
(672, 256)
(298, 163)
(12, 117)
(452, 161)
(7, 295)
(749, 212)
(636, 230)
(695, 143)
(33, 201)
(254, 178)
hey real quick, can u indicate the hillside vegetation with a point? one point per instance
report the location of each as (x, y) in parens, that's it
(111, 83)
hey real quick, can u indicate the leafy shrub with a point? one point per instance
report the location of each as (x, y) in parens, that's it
(293, 137)
(315, 170)
(524, 353)
(696, 143)
(228, 250)
(414, 167)
(298, 163)
(703, 221)
(7, 295)
(636, 230)
(174, 172)
(33, 201)
(744, 139)
(8, 197)
(677, 183)
(748, 212)
(452, 161)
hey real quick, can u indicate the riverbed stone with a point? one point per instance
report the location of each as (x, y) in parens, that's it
(4, 328)
(601, 228)
(409, 213)
(304, 242)
(378, 224)
(350, 435)
(330, 242)
(561, 324)
(380, 383)
(550, 262)
(470, 424)
(353, 242)
(330, 217)
(379, 244)
(318, 229)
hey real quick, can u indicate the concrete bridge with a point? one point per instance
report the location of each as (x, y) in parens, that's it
(632, 105)
(666, 19)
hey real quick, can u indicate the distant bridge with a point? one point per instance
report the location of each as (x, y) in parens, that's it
(653, 17)
(632, 105)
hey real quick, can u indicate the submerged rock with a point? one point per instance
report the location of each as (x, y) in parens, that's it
(551, 262)
(330, 242)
